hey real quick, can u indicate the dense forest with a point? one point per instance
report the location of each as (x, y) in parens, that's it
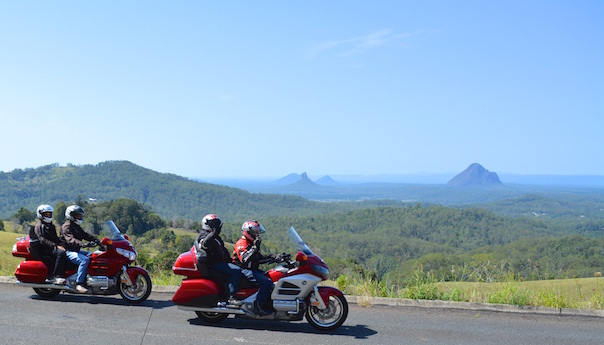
(383, 243)
(534, 236)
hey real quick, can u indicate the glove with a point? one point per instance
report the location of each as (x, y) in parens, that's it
(217, 230)
(88, 245)
(273, 257)
(257, 242)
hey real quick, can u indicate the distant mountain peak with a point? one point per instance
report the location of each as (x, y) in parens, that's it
(304, 181)
(289, 179)
(327, 181)
(474, 175)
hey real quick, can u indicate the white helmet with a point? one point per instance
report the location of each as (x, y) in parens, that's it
(211, 222)
(252, 229)
(43, 209)
(74, 210)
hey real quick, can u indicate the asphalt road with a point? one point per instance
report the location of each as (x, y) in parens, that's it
(80, 319)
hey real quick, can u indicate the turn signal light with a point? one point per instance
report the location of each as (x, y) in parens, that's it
(301, 257)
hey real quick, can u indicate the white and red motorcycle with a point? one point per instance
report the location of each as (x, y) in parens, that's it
(296, 292)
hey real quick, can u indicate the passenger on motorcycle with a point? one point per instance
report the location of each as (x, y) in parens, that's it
(44, 242)
(211, 250)
(73, 235)
(248, 256)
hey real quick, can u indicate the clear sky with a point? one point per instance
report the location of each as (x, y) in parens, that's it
(231, 89)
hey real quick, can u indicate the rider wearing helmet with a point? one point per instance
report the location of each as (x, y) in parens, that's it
(73, 236)
(211, 250)
(248, 256)
(44, 241)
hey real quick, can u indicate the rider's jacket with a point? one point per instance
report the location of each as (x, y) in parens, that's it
(43, 238)
(247, 255)
(210, 248)
(73, 234)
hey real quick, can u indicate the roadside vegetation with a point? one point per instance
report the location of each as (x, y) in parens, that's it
(582, 293)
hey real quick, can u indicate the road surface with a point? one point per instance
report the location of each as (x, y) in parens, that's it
(79, 319)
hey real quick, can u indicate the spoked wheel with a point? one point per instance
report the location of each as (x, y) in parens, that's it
(212, 317)
(47, 293)
(331, 317)
(138, 292)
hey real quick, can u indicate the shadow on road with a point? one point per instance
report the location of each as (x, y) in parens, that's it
(99, 299)
(358, 331)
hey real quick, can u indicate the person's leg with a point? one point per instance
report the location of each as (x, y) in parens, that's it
(82, 260)
(60, 258)
(231, 271)
(265, 288)
(59, 266)
(83, 268)
(235, 280)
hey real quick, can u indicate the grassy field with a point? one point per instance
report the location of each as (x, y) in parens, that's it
(8, 263)
(583, 293)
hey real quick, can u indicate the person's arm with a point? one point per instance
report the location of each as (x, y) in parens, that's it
(69, 238)
(247, 255)
(205, 242)
(89, 237)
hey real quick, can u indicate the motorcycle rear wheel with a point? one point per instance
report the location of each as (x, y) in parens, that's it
(47, 293)
(331, 317)
(212, 317)
(138, 292)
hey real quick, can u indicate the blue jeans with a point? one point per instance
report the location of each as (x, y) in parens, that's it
(82, 259)
(265, 285)
(230, 270)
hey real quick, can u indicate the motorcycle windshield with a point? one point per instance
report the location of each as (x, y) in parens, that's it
(296, 240)
(110, 230)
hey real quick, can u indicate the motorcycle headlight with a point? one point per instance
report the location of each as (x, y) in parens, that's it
(321, 271)
(130, 255)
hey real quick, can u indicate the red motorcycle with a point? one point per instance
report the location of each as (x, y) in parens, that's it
(109, 272)
(296, 292)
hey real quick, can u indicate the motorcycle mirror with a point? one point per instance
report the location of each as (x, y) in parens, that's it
(106, 242)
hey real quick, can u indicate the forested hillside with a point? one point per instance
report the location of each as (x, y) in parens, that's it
(467, 244)
(169, 195)
(532, 236)
(382, 243)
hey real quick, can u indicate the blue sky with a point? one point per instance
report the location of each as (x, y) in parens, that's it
(235, 89)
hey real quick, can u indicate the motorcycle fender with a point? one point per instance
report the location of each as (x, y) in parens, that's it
(325, 292)
(197, 292)
(134, 271)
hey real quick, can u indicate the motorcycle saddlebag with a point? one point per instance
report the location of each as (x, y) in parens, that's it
(197, 292)
(31, 272)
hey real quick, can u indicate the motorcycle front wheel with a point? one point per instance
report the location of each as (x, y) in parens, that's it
(47, 293)
(212, 317)
(138, 292)
(329, 318)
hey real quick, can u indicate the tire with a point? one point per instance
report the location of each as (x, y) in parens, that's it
(138, 292)
(330, 318)
(212, 317)
(47, 293)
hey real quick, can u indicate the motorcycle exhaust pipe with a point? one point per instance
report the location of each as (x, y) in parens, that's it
(45, 286)
(220, 310)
